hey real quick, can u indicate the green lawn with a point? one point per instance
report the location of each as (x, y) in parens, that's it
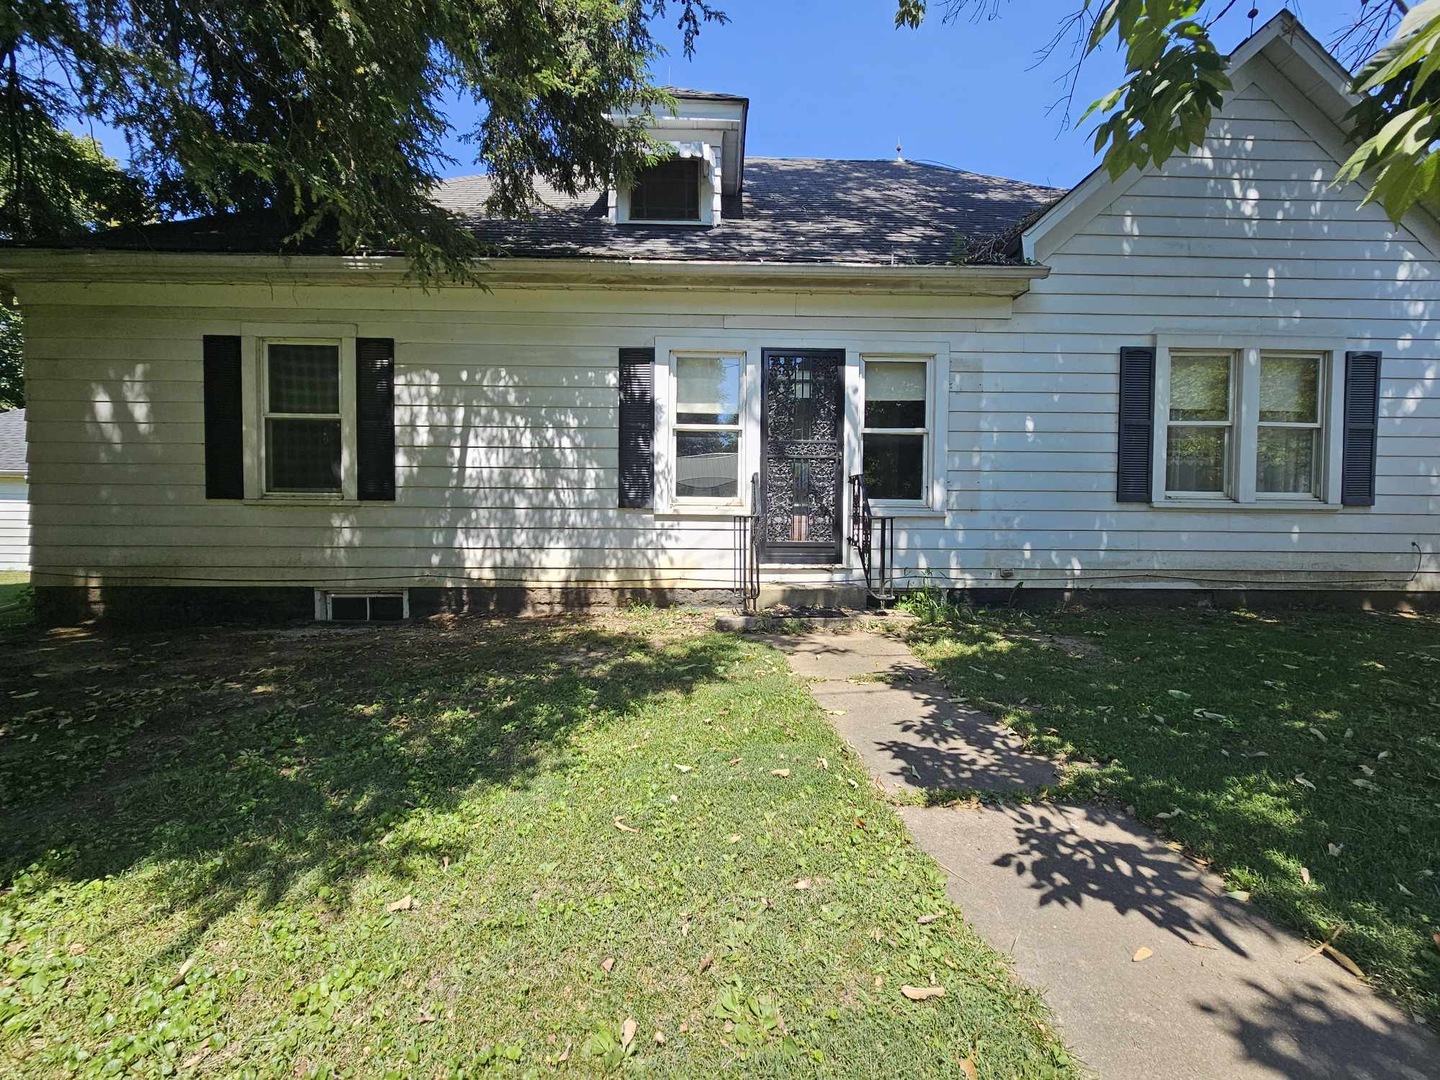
(466, 849)
(1284, 741)
(15, 599)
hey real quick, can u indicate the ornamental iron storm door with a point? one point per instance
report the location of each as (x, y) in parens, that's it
(802, 425)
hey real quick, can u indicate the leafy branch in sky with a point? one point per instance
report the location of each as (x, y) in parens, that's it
(328, 112)
(1175, 79)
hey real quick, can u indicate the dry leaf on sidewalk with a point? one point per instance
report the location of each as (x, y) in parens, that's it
(1142, 953)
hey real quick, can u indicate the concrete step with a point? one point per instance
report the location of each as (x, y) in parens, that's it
(827, 595)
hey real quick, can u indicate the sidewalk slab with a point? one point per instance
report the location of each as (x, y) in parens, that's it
(906, 727)
(1072, 893)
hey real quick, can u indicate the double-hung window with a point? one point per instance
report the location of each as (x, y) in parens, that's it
(1288, 443)
(706, 431)
(1248, 425)
(303, 450)
(1200, 436)
(895, 432)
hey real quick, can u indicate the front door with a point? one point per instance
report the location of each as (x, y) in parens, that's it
(802, 426)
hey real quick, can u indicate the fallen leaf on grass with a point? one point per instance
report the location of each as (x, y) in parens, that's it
(1334, 850)
(1367, 770)
(619, 824)
(564, 1054)
(607, 964)
(968, 1068)
(684, 768)
(627, 1032)
(803, 883)
(705, 963)
(1318, 734)
(733, 838)
(75, 949)
(195, 1058)
(922, 993)
(821, 763)
(1436, 939)
(1305, 874)
(1403, 891)
(926, 920)
(780, 772)
(1142, 953)
(185, 969)
(1300, 779)
(1173, 813)
(425, 1017)
(1239, 894)
(405, 903)
(1365, 785)
(659, 1038)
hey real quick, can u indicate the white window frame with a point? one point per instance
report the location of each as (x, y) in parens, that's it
(936, 359)
(709, 179)
(1244, 419)
(666, 383)
(1230, 425)
(256, 339)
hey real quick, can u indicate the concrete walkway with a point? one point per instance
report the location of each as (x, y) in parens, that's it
(1071, 893)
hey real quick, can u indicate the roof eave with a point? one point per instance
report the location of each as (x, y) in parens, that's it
(36, 265)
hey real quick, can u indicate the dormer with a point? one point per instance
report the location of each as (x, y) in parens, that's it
(707, 133)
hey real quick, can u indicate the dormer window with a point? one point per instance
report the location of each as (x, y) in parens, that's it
(703, 140)
(668, 191)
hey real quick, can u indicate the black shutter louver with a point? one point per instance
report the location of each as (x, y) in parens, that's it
(224, 419)
(637, 428)
(375, 418)
(1137, 425)
(1362, 428)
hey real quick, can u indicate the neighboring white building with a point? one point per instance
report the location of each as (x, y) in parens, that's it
(14, 502)
(1221, 374)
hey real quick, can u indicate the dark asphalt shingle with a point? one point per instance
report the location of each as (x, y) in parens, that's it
(792, 210)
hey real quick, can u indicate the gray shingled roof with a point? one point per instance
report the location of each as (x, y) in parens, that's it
(12, 441)
(792, 210)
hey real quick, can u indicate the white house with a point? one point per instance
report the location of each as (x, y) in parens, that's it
(14, 502)
(1220, 374)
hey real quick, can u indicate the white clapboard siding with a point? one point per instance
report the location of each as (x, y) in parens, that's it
(14, 524)
(506, 407)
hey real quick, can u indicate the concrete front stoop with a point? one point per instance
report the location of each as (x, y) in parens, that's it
(1073, 893)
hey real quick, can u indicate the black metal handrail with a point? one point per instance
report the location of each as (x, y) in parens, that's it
(876, 559)
(750, 551)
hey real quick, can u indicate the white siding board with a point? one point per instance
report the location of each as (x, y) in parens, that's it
(506, 406)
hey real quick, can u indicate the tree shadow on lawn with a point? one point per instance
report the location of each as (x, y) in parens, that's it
(237, 764)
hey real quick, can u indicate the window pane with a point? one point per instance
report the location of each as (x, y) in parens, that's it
(707, 390)
(304, 378)
(1289, 389)
(894, 395)
(707, 464)
(1195, 459)
(895, 466)
(302, 455)
(1200, 386)
(1285, 460)
(669, 191)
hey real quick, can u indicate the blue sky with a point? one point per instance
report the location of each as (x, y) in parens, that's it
(833, 78)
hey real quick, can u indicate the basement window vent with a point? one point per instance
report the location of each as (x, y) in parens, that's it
(362, 607)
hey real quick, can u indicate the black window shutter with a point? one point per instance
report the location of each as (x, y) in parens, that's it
(224, 419)
(637, 428)
(375, 418)
(1362, 427)
(1137, 425)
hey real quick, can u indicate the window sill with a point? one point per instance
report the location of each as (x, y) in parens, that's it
(904, 510)
(301, 500)
(716, 510)
(1280, 505)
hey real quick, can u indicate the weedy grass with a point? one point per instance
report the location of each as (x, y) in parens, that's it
(1293, 746)
(487, 847)
(16, 599)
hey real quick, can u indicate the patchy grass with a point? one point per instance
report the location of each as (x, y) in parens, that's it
(1284, 741)
(16, 600)
(465, 849)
